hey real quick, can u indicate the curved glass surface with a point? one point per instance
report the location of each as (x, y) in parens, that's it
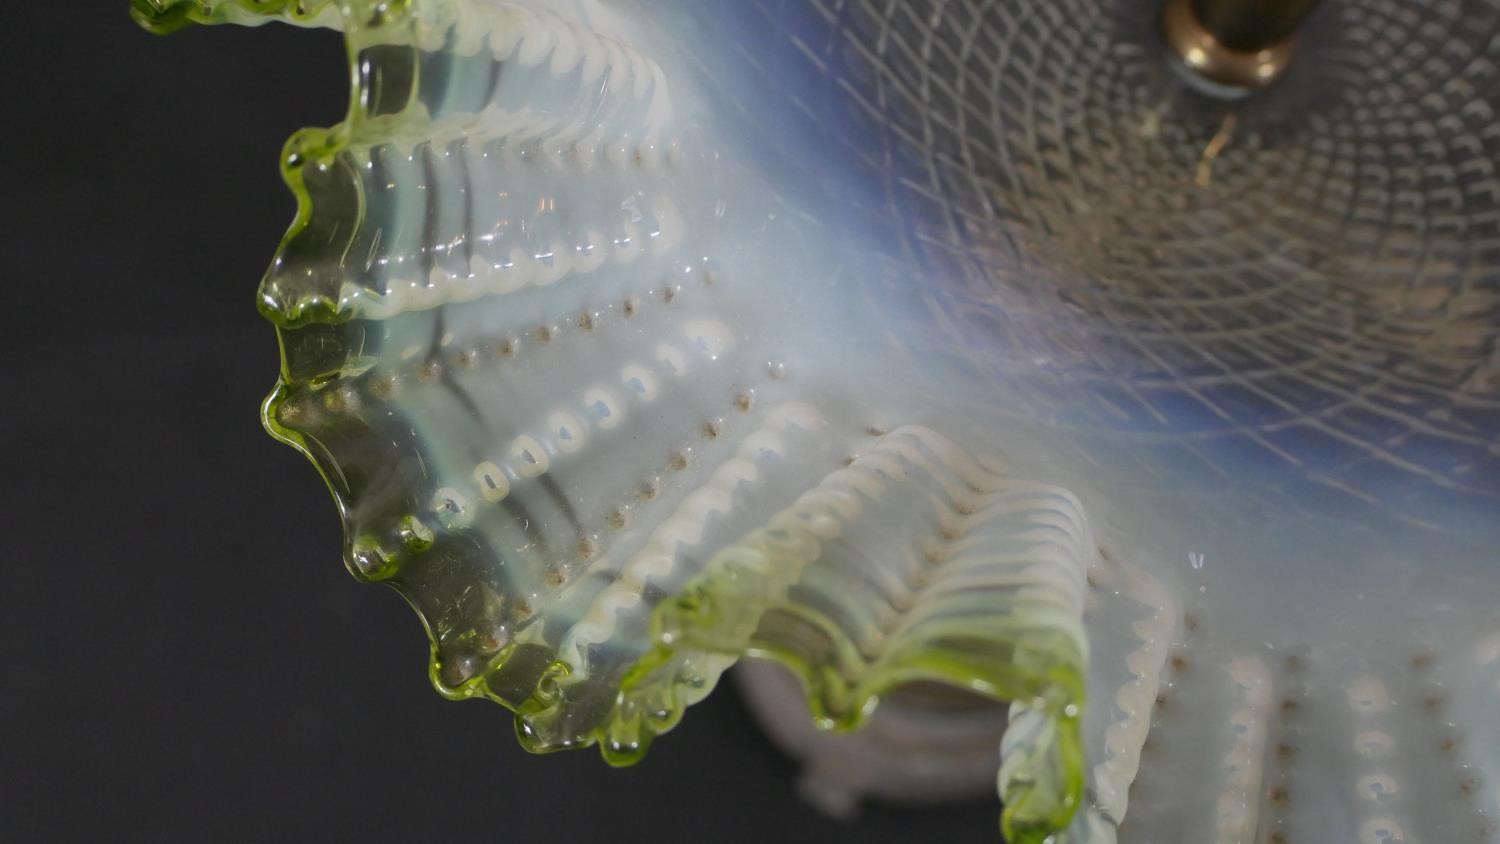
(946, 340)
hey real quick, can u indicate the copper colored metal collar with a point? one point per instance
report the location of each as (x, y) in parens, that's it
(1208, 57)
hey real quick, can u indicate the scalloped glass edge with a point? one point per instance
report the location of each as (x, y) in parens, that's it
(711, 622)
(166, 16)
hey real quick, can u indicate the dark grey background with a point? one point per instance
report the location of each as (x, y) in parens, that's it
(181, 652)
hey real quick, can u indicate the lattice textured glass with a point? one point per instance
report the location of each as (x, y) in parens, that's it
(932, 340)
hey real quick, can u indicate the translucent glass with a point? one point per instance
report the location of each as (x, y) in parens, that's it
(934, 340)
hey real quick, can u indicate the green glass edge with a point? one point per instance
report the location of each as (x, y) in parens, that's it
(688, 626)
(716, 615)
(318, 147)
(166, 16)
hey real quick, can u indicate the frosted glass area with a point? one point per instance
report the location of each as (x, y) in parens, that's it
(934, 340)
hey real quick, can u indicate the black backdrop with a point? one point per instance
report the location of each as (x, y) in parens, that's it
(181, 653)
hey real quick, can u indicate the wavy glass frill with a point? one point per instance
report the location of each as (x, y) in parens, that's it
(914, 562)
(553, 421)
(170, 15)
(936, 341)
